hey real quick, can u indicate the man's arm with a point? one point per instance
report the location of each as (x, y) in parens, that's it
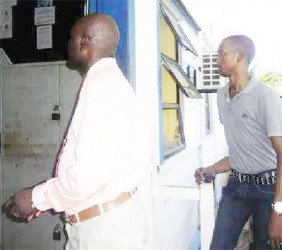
(275, 224)
(221, 166)
(99, 155)
(277, 145)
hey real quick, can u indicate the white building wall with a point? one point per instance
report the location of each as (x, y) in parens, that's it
(146, 85)
(173, 222)
(177, 221)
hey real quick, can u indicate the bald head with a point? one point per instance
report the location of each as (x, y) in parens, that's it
(103, 31)
(244, 45)
(93, 37)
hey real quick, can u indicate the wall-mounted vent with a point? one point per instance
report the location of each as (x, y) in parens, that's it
(210, 71)
(211, 80)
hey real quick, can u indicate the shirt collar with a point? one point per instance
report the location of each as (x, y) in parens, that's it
(100, 65)
(248, 89)
(250, 86)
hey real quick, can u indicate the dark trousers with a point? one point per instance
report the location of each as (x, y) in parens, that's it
(238, 203)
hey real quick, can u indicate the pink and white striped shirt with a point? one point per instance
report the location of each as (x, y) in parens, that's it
(100, 158)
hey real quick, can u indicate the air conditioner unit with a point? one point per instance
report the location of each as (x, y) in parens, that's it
(211, 80)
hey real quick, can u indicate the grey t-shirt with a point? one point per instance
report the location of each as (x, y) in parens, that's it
(250, 119)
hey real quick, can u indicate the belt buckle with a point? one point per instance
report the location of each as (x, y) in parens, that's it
(67, 219)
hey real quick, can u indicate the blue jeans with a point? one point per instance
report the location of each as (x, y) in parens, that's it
(239, 202)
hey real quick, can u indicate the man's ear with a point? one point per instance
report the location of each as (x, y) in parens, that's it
(240, 57)
(85, 42)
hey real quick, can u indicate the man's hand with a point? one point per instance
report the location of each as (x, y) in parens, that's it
(200, 174)
(203, 175)
(275, 230)
(19, 207)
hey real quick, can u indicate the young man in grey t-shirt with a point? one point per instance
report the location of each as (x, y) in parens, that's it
(251, 114)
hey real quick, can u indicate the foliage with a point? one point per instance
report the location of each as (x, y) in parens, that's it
(274, 79)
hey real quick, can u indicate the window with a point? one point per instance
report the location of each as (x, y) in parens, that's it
(174, 82)
(173, 135)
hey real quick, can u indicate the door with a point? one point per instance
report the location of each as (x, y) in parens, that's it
(30, 142)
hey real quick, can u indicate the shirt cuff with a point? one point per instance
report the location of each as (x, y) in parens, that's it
(39, 198)
(274, 134)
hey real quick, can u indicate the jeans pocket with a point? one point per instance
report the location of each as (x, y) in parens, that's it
(235, 189)
(265, 190)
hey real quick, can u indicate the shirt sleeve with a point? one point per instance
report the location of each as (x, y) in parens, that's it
(220, 103)
(100, 152)
(273, 114)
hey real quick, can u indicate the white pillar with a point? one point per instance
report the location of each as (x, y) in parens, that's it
(207, 214)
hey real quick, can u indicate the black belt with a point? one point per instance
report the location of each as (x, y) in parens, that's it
(262, 179)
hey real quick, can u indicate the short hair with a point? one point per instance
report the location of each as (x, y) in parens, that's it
(243, 44)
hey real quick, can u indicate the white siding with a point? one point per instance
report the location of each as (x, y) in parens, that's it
(173, 222)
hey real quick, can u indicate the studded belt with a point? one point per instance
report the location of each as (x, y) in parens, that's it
(262, 179)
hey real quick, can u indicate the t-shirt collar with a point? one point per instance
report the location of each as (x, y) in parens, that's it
(250, 86)
(248, 89)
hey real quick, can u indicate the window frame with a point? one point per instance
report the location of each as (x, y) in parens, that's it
(180, 77)
(175, 150)
(176, 27)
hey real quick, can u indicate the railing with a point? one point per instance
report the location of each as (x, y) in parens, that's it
(205, 195)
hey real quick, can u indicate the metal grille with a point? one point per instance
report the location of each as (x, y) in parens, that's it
(211, 77)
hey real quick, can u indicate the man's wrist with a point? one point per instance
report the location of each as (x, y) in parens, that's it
(32, 205)
(211, 170)
(277, 207)
(209, 174)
